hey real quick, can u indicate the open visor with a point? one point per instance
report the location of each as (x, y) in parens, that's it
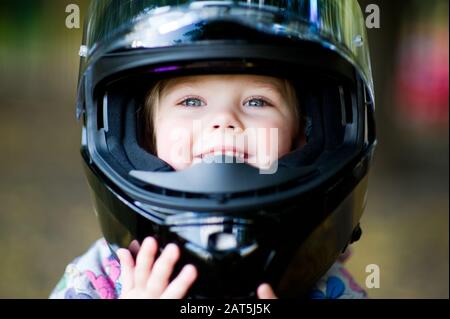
(333, 121)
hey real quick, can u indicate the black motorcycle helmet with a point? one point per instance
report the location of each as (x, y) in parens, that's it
(237, 226)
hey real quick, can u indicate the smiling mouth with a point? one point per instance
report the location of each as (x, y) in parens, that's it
(224, 151)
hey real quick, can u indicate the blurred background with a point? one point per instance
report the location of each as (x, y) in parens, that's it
(46, 217)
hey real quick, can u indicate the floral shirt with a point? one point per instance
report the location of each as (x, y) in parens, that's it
(96, 275)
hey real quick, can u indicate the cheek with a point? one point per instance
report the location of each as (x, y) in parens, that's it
(173, 142)
(284, 131)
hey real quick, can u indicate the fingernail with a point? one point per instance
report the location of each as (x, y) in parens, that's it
(171, 246)
(263, 288)
(149, 239)
(189, 267)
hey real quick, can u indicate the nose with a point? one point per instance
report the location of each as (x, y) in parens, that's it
(226, 120)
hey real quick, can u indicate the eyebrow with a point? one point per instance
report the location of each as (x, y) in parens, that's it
(273, 86)
(177, 84)
(183, 83)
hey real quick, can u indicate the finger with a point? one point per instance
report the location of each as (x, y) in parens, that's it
(264, 291)
(126, 268)
(144, 261)
(163, 268)
(178, 288)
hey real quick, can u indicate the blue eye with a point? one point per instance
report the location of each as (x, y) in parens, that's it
(257, 102)
(192, 102)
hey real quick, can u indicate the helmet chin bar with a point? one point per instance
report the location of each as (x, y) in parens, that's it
(203, 177)
(230, 253)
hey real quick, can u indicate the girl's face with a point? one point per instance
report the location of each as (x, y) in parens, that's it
(247, 116)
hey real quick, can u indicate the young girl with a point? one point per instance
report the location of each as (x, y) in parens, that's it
(224, 108)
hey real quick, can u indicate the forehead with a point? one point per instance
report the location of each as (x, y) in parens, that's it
(199, 81)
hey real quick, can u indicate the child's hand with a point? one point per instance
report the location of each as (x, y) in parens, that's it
(149, 279)
(264, 291)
